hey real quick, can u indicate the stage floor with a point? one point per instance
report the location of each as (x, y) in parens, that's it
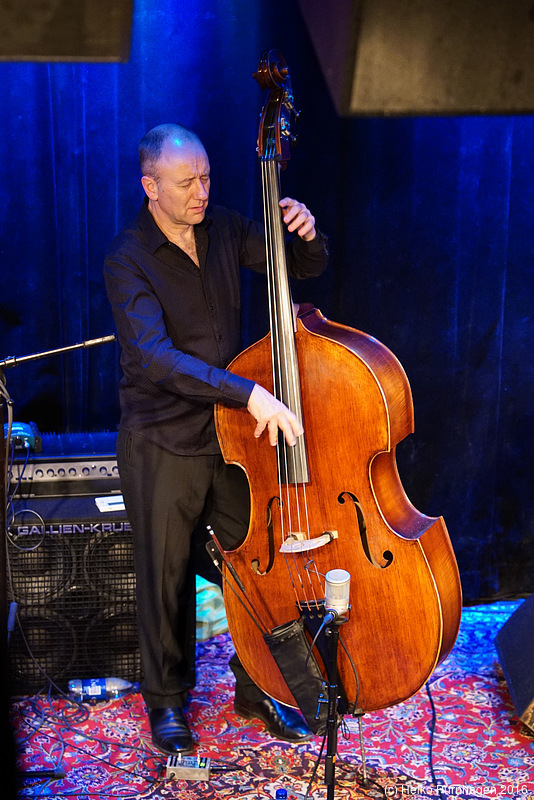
(479, 747)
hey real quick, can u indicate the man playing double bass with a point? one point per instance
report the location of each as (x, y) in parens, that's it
(172, 278)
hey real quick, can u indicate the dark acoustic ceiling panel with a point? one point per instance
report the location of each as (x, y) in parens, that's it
(417, 57)
(65, 30)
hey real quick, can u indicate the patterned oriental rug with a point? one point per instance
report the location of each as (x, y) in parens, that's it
(457, 737)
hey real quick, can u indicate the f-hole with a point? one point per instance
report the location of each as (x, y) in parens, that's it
(362, 528)
(255, 563)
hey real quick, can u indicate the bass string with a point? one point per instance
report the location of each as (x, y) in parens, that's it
(294, 517)
(269, 192)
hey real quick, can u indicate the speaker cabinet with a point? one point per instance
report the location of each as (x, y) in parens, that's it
(516, 655)
(70, 570)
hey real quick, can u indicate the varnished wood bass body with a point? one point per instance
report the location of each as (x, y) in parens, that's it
(405, 594)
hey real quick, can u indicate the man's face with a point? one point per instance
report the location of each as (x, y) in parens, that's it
(182, 184)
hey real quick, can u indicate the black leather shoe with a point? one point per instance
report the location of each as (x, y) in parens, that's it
(280, 721)
(170, 732)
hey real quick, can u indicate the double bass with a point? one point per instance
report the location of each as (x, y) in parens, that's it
(335, 500)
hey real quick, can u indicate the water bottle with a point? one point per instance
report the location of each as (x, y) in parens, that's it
(93, 689)
(281, 794)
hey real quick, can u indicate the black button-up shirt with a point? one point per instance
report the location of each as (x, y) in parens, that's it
(179, 325)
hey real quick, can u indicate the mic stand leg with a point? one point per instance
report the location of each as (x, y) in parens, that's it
(365, 779)
(332, 720)
(332, 724)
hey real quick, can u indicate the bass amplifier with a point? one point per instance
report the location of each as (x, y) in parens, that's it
(70, 571)
(67, 464)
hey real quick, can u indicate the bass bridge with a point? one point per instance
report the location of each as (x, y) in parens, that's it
(300, 543)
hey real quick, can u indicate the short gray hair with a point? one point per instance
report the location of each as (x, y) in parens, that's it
(151, 144)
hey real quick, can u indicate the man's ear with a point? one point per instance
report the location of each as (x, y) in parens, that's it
(150, 187)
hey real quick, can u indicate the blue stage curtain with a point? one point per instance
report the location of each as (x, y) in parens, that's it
(430, 221)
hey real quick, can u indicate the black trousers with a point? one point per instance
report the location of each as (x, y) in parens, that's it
(169, 501)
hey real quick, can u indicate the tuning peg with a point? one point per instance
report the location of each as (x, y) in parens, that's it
(291, 138)
(288, 102)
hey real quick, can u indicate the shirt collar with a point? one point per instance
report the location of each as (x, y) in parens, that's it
(155, 237)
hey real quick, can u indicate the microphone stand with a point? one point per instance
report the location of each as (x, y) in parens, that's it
(332, 631)
(6, 363)
(6, 731)
(14, 361)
